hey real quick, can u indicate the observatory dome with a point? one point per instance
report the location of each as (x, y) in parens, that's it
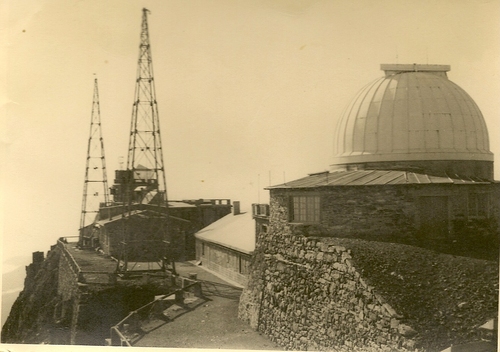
(414, 117)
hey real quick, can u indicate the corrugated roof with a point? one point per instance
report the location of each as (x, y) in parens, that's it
(119, 217)
(376, 177)
(132, 213)
(232, 231)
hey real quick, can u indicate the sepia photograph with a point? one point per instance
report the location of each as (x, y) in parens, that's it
(300, 175)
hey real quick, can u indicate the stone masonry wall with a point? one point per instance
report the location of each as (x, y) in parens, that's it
(391, 213)
(67, 282)
(307, 295)
(386, 212)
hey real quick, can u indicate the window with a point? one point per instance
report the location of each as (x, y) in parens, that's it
(478, 205)
(243, 265)
(202, 248)
(305, 209)
(264, 209)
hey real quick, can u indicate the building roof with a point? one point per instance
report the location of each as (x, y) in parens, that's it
(236, 232)
(151, 195)
(179, 204)
(119, 217)
(375, 177)
(414, 112)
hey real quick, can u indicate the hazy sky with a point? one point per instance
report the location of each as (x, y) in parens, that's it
(244, 88)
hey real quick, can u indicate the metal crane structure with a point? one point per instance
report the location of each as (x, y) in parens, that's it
(95, 186)
(145, 217)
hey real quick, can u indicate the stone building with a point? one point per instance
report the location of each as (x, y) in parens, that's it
(339, 265)
(411, 164)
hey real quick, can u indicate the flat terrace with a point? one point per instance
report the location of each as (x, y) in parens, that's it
(90, 260)
(91, 267)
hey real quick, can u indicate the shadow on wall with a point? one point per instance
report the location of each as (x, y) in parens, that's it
(477, 238)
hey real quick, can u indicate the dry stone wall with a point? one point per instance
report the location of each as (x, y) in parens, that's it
(307, 295)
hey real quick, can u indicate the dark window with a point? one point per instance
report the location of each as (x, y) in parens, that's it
(305, 209)
(478, 205)
(243, 265)
(264, 209)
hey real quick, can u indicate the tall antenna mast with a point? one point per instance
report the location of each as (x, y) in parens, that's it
(145, 150)
(145, 213)
(95, 186)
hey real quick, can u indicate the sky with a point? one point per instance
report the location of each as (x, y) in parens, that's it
(248, 91)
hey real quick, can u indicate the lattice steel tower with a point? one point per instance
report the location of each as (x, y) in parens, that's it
(95, 186)
(145, 173)
(145, 150)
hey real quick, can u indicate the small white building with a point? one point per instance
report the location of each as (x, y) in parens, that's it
(226, 246)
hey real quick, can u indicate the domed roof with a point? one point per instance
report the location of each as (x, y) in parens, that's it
(413, 113)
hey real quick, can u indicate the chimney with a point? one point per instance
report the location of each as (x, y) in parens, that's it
(236, 207)
(38, 257)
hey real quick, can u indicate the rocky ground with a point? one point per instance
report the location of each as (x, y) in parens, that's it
(443, 297)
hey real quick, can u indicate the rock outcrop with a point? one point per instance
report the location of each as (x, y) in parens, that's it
(56, 307)
(31, 317)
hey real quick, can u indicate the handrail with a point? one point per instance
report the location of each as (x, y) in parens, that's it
(155, 300)
(122, 337)
(122, 322)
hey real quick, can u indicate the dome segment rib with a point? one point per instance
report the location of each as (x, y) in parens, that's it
(413, 113)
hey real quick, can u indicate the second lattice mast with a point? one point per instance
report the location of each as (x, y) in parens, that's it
(95, 187)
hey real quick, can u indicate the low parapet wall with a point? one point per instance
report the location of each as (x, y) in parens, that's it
(70, 270)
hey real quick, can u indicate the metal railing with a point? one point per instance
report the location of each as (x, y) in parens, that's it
(124, 331)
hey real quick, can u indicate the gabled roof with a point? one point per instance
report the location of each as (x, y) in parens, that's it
(142, 213)
(236, 232)
(376, 177)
